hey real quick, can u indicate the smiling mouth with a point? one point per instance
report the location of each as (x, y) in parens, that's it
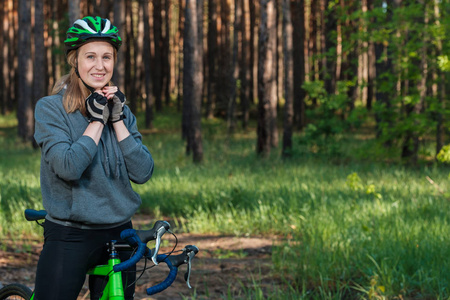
(98, 75)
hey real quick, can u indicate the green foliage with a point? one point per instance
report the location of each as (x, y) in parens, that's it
(405, 38)
(350, 225)
(444, 154)
(355, 184)
(328, 117)
(443, 63)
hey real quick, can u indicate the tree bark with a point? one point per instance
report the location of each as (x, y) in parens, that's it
(298, 20)
(13, 59)
(120, 23)
(440, 91)
(157, 61)
(40, 65)
(224, 58)
(3, 57)
(279, 77)
(330, 49)
(234, 70)
(371, 63)
(130, 68)
(56, 43)
(180, 56)
(288, 78)
(253, 63)
(40, 70)
(245, 71)
(74, 11)
(350, 65)
(25, 67)
(212, 59)
(267, 130)
(166, 69)
(193, 80)
(363, 70)
(147, 66)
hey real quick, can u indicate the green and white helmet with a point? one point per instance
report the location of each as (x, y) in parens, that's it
(91, 28)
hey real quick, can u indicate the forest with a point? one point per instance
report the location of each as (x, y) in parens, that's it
(316, 67)
(317, 126)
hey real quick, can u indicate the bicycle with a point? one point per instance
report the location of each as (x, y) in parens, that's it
(137, 242)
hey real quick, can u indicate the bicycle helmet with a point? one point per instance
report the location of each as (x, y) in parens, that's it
(91, 28)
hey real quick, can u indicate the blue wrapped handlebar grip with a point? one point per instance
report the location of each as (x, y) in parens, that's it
(168, 281)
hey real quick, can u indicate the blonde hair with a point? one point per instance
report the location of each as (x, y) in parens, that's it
(76, 92)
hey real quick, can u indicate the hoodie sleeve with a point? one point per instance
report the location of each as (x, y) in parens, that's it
(137, 157)
(67, 158)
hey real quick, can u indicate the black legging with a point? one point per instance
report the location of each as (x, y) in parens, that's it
(68, 253)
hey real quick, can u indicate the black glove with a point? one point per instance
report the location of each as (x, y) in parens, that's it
(117, 110)
(97, 108)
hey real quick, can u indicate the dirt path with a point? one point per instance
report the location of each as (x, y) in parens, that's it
(223, 266)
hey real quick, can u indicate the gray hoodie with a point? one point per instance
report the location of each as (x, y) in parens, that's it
(82, 184)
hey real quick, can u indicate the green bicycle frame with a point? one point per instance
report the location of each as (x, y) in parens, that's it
(114, 288)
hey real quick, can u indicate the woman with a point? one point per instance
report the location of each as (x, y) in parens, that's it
(91, 150)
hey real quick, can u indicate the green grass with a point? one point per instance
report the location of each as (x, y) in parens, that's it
(352, 225)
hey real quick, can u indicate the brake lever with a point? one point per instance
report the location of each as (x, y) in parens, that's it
(190, 253)
(159, 233)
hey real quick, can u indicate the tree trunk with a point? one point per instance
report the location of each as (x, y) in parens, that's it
(224, 59)
(147, 66)
(350, 65)
(440, 85)
(3, 57)
(13, 60)
(234, 70)
(298, 19)
(313, 42)
(101, 7)
(180, 56)
(56, 43)
(157, 61)
(25, 67)
(371, 65)
(120, 23)
(279, 77)
(212, 59)
(166, 69)
(129, 67)
(74, 11)
(245, 71)
(288, 78)
(363, 65)
(253, 66)
(40, 65)
(267, 130)
(192, 79)
(330, 49)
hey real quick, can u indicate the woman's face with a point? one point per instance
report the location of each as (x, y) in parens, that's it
(96, 63)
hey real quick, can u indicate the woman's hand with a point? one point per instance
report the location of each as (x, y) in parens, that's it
(109, 91)
(97, 108)
(114, 95)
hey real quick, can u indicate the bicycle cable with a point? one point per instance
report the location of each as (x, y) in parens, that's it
(152, 266)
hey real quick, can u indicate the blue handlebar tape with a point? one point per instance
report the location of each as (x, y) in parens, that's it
(168, 281)
(133, 260)
(130, 236)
